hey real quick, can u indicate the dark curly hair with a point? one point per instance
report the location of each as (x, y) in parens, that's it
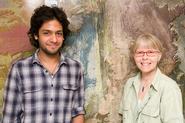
(41, 15)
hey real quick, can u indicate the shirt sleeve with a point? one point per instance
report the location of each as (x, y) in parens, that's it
(78, 104)
(171, 105)
(12, 98)
(125, 89)
(121, 107)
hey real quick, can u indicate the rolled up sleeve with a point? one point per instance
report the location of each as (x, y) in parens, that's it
(79, 99)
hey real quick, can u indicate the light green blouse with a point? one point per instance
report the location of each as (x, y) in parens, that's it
(162, 104)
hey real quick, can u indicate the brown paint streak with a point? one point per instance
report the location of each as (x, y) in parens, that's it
(14, 40)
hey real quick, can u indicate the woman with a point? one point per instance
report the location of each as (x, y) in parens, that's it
(150, 96)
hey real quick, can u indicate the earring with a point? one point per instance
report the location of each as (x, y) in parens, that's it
(36, 38)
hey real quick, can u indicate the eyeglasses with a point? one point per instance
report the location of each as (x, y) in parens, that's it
(150, 53)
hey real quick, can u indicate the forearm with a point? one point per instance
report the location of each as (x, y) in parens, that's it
(78, 119)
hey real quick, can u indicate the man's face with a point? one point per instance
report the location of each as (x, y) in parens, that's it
(50, 37)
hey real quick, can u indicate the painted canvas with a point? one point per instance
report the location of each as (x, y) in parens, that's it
(101, 33)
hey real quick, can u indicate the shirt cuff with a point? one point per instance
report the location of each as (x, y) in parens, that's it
(78, 111)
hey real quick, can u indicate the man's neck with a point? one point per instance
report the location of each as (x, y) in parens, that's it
(50, 62)
(48, 58)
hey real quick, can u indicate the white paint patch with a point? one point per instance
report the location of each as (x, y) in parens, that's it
(51, 2)
(30, 5)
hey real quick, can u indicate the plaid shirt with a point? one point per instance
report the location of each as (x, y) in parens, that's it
(33, 95)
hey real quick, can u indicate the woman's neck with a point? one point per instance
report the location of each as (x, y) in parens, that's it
(148, 77)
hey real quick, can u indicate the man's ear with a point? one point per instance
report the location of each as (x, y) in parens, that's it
(35, 37)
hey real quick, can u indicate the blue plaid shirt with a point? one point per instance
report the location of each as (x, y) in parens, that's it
(33, 95)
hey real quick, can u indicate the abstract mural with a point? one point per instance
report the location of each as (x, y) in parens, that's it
(101, 33)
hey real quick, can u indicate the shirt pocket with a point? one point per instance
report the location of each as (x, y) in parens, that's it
(33, 98)
(27, 91)
(67, 93)
(32, 89)
(70, 87)
(151, 114)
(32, 93)
(151, 110)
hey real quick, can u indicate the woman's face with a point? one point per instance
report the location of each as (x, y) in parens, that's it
(146, 57)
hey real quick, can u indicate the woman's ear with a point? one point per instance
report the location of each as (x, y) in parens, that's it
(159, 57)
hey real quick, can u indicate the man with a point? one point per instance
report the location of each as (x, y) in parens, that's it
(45, 87)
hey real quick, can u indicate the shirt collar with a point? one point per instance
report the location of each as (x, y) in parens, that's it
(35, 58)
(157, 80)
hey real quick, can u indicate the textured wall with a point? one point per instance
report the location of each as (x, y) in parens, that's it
(102, 30)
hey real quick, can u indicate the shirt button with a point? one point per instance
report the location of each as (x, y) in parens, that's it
(51, 85)
(50, 114)
(51, 99)
(52, 75)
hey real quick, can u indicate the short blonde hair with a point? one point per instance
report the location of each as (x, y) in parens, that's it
(149, 39)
